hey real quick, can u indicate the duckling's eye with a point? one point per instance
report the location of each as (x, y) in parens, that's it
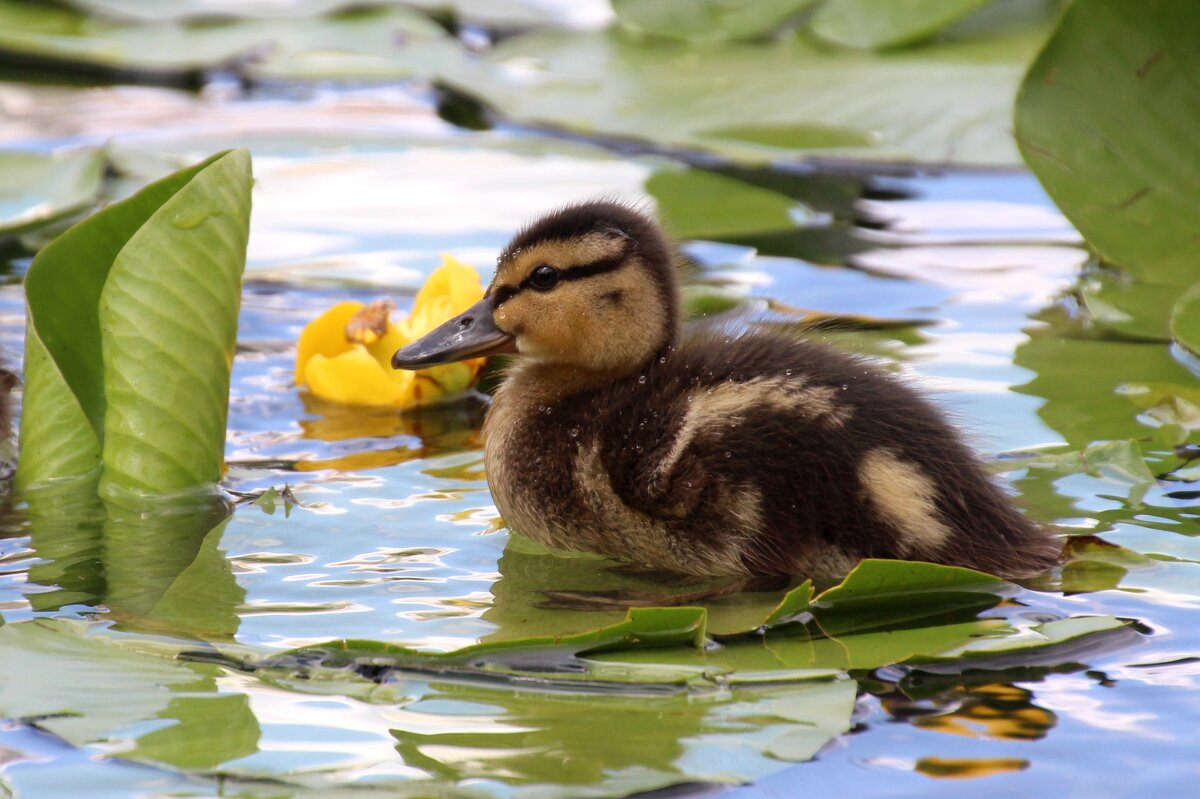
(543, 278)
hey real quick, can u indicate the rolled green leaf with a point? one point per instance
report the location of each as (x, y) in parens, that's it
(132, 322)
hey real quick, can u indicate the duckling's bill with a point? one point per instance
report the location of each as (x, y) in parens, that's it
(471, 334)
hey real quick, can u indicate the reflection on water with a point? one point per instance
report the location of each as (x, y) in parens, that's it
(150, 570)
(991, 710)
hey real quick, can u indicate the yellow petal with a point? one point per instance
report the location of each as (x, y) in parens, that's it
(383, 348)
(325, 335)
(453, 280)
(354, 378)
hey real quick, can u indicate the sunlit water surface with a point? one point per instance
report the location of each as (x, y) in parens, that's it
(393, 535)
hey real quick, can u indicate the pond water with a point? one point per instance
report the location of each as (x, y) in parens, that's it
(386, 531)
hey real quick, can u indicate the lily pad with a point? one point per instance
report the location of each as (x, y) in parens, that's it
(694, 204)
(954, 647)
(706, 20)
(1118, 461)
(1085, 382)
(1185, 320)
(392, 42)
(1131, 308)
(130, 369)
(37, 188)
(498, 13)
(64, 698)
(887, 23)
(947, 103)
(160, 710)
(883, 593)
(1131, 189)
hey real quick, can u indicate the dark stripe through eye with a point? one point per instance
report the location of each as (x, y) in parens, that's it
(545, 277)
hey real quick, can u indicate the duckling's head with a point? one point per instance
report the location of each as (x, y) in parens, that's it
(591, 286)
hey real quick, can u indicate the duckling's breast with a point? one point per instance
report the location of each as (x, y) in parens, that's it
(551, 479)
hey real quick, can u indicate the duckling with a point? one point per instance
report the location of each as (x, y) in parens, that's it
(709, 454)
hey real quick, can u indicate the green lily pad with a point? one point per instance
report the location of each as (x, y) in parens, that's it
(700, 300)
(1096, 565)
(1131, 189)
(498, 13)
(1119, 461)
(1185, 320)
(887, 23)
(876, 594)
(796, 652)
(38, 188)
(129, 370)
(1132, 308)
(706, 20)
(694, 204)
(950, 102)
(1086, 381)
(883, 593)
(391, 42)
(205, 731)
(152, 11)
(49, 670)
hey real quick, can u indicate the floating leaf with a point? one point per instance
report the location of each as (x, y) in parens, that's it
(490, 12)
(695, 204)
(1185, 320)
(130, 368)
(882, 593)
(887, 23)
(1085, 382)
(37, 188)
(700, 300)
(1131, 189)
(706, 20)
(793, 652)
(1131, 308)
(49, 670)
(1118, 461)
(1096, 565)
(205, 731)
(389, 42)
(950, 102)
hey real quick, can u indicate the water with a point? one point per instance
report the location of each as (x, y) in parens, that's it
(390, 534)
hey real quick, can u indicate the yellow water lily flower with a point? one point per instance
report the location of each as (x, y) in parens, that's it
(345, 354)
